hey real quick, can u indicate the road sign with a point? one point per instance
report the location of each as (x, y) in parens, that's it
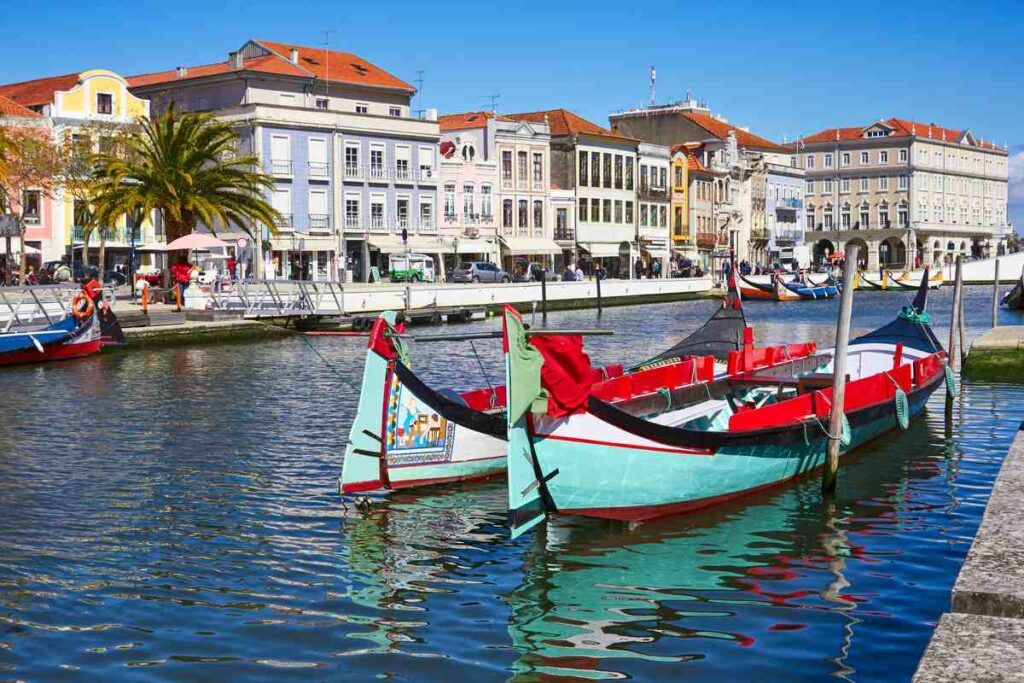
(242, 243)
(405, 235)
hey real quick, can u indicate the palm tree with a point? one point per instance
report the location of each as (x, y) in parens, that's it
(185, 167)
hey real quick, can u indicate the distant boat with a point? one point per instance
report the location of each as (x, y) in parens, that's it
(865, 283)
(911, 281)
(805, 291)
(1014, 299)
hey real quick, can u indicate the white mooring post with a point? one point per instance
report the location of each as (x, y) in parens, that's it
(995, 296)
(835, 422)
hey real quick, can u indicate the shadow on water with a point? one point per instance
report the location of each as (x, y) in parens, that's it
(174, 514)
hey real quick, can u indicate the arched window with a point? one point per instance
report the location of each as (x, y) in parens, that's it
(865, 216)
(827, 217)
(844, 216)
(883, 215)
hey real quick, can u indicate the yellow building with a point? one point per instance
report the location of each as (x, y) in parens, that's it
(84, 109)
(680, 207)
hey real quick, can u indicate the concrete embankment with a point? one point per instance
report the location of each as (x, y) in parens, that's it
(203, 332)
(998, 354)
(982, 638)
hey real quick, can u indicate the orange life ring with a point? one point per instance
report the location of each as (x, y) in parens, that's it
(80, 312)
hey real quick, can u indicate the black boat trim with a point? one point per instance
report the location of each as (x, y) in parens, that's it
(492, 424)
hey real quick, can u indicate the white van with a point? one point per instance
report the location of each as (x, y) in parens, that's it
(411, 268)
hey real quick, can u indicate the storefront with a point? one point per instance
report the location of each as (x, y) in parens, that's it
(615, 257)
(295, 257)
(528, 250)
(655, 250)
(470, 249)
(380, 246)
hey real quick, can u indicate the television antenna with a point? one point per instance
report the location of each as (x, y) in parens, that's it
(419, 87)
(494, 102)
(327, 57)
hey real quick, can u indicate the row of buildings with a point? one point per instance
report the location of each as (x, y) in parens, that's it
(356, 169)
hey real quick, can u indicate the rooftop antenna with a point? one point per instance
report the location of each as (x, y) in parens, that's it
(654, 78)
(419, 88)
(327, 57)
(494, 102)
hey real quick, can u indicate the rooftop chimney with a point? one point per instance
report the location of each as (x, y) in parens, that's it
(235, 60)
(182, 71)
(294, 55)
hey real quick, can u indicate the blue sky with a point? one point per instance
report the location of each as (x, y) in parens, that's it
(784, 69)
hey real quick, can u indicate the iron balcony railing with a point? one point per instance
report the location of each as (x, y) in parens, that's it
(280, 167)
(377, 223)
(319, 221)
(353, 171)
(565, 234)
(284, 222)
(319, 169)
(352, 222)
(403, 174)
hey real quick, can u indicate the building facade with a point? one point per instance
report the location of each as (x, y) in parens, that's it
(784, 215)
(653, 235)
(85, 111)
(599, 166)
(727, 149)
(30, 205)
(908, 194)
(679, 211)
(353, 167)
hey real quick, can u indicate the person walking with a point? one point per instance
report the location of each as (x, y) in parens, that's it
(638, 268)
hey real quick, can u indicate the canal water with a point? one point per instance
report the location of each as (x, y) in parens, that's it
(173, 514)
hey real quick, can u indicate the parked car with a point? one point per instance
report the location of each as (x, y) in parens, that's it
(479, 271)
(530, 272)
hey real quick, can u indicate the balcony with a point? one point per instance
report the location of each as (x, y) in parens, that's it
(451, 217)
(427, 225)
(788, 234)
(319, 222)
(427, 175)
(565, 235)
(377, 223)
(403, 174)
(377, 174)
(285, 222)
(403, 224)
(281, 168)
(653, 192)
(319, 170)
(791, 203)
(353, 172)
(352, 223)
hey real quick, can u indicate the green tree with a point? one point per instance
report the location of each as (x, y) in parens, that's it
(186, 168)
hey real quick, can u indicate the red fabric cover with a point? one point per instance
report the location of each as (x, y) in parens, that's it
(566, 374)
(378, 342)
(611, 371)
(897, 357)
(480, 399)
(926, 368)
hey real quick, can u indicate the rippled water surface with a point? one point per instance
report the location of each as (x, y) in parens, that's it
(174, 514)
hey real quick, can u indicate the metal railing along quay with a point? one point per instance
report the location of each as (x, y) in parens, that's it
(34, 305)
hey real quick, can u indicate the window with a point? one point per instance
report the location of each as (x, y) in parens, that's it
(394, 111)
(449, 201)
(903, 215)
(583, 169)
(678, 176)
(595, 210)
(810, 187)
(903, 156)
(606, 168)
(629, 174)
(426, 213)
(883, 157)
(883, 184)
(643, 207)
(280, 155)
(319, 214)
(846, 158)
(662, 173)
(844, 217)
(845, 185)
(351, 159)
(863, 184)
(281, 200)
(865, 216)
(30, 206)
(828, 160)
(362, 108)
(426, 159)
(583, 210)
(524, 214)
(903, 182)
(377, 161)
(606, 213)
(863, 158)
(506, 212)
(663, 212)
(618, 210)
(643, 177)
(809, 218)
(321, 103)
(562, 224)
(402, 213)
(538, 214)
(828, 217)
(403, 165)
(522, 167)
(876, 133)
(468, 200)
(595, 169)
(810, 161)
(317, 157)
(352, 211)
(827, 186)
(883, 215)
(377, 211)
(485, 202)
(506, 165)
(538, 168)
(618, 171)
(104, 103)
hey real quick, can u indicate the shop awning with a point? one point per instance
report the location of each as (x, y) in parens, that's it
(392, 244)
(465, 245)
(531, 245)
(601, 249)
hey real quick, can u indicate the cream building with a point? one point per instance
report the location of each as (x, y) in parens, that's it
(907, 193)
(654, 202)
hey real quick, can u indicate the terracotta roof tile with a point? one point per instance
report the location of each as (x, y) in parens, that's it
(564, 122)
(38, 91)
(721, 129)
(467, 120)
(342, 67)
(900, 128)
(9, 107)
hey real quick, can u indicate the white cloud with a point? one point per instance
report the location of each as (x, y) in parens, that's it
(1016, 173)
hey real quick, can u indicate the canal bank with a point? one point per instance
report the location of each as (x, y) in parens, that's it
(982, 637)
(998, 354)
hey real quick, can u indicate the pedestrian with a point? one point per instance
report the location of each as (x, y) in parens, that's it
(181, 273)
(657, 269)
(579, 273)
(638, 268)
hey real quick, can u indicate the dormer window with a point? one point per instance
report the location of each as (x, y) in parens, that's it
(875, 133)
(104, 103)
(362, 108)
(321, 103)
(394, 111)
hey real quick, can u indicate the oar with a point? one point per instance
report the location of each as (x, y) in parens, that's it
(497, 335)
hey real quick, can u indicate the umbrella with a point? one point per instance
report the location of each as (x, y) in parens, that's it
(194, 241)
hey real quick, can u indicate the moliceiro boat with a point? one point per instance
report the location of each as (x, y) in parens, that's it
(408, 434)
(761, 424)
(912, 281)
(1014, 299)
(89, 325)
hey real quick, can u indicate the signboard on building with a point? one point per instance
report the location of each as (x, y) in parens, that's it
(9, 225)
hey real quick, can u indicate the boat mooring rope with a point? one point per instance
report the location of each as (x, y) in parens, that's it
(951, 389)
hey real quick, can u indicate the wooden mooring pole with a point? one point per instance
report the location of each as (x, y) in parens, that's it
(995, 296)
(598, 297)
(544, 296)
(835, 422)
(954, 325)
